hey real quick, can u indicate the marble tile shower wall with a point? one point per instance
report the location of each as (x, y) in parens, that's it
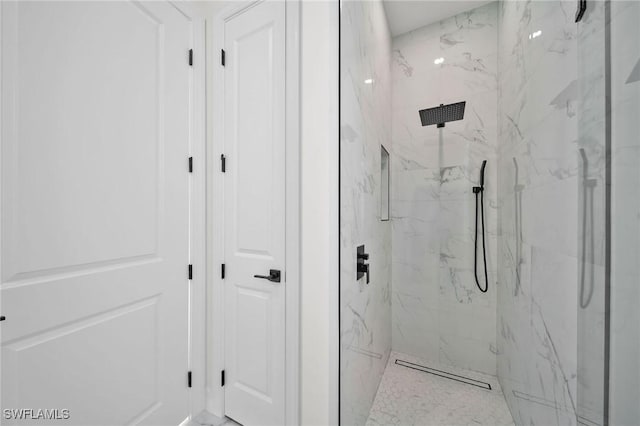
(365, 125)
(438, 313)
(538, 190)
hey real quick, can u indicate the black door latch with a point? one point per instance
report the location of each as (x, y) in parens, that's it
(274, 276)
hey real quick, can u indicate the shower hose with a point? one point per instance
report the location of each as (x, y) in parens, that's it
(479, 191)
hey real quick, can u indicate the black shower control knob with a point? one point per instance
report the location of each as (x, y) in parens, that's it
(361, 267)
(2, 318)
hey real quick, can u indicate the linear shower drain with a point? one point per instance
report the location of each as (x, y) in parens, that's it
(446, 375)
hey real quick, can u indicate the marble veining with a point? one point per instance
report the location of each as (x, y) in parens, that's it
(438, 312)
(365, 124)
(542, 105)
(536, 113)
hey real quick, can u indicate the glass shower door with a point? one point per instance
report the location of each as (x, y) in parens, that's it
(624, 342)
(593, 244)
(608, 350)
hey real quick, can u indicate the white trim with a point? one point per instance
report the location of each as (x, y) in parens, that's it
(215, 190)
(319, 101)
(292, 213)
(198, 226)
(215, 222)
(197, 194)
(2, 142)
(334, 220)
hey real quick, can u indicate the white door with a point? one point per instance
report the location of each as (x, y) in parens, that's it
(255, 214)
(94, 206)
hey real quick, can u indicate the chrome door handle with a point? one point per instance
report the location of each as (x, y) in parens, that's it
(274, 276)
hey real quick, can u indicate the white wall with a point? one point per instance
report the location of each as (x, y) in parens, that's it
(319, 199)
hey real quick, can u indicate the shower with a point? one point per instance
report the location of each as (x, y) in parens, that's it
(555, 154)
(479, 191)
(454, 112)
(442, 114)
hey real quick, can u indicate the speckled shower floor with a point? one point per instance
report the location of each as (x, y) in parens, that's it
(410, 397)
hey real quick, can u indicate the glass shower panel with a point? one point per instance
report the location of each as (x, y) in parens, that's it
(624, 406)
(608, 351)
(592, 244)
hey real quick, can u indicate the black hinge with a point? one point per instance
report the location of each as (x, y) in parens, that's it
(223, 163)
(190, 271)
(222, 378)
(191, 57)
(222, 61)
(190, 164)
(189, 379)
(2, 318)
(222, 271)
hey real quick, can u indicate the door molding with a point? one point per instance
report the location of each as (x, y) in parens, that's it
(215, 219)
(197, 213)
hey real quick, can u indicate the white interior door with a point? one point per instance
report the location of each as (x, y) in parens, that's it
(94, 206)
(255, 214)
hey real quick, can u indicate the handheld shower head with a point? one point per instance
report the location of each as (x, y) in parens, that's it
(479, 193)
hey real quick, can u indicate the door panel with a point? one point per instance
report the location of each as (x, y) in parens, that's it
(69, 80)
(94, 207)
(254, 214)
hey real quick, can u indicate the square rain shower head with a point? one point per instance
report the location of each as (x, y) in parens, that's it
(442, 114)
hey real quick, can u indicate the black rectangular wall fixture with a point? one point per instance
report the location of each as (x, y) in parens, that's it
(362, 268)
(442, 114)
